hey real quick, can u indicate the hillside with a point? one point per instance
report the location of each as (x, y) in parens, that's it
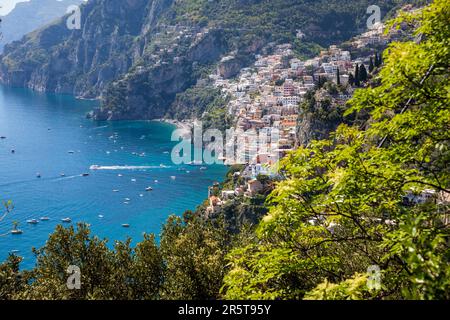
(29, 16)
(137, 55)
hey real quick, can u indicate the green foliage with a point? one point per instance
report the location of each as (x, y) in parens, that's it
(11, 279)
(351, 289)
(341, 208)
(194, 259)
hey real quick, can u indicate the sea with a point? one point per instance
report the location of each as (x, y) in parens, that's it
(57, 164)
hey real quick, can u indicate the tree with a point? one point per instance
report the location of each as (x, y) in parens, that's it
(11, 280)
(340, 209)
(362, 73)
(351, 79)
(194, 259)
(371, 65)
(356, 76)
(377, 61)
(338, 77)
(122, 273)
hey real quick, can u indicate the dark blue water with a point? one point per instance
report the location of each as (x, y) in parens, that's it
(43, 129)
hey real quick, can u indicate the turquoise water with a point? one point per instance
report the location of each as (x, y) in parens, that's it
(50, 136)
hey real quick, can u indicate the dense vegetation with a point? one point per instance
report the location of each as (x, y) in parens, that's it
(340, 210)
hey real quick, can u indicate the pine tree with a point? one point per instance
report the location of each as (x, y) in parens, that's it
(338, 77)
(357, 75)
(371, 65)
(362, 73)
(376, 60)
(351, 79)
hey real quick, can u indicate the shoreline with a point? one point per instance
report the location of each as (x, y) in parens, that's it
(184, 126)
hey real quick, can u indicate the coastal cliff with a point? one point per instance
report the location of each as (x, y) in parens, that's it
(137, 55)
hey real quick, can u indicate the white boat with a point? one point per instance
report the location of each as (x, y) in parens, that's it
(71, 152)
(38, 175)
(100, 216)
(66, 220)
(156, 181)
(173, 177)
(149, 189)
(115, 190)
(127, 199)
(45, 218)
(133, 180)
(203, 168)
(125, 225)
(62, 174)
(94, 167)
(32, 221)
(16, 231)
(195, 163)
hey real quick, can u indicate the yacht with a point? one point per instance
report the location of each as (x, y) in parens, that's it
(149, 189)
(195, 163)
(45, 218)
(32, 221)
(16, 231)
(66, 220)
(125, 225)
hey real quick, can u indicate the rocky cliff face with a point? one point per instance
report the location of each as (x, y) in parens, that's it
(80, 62)
(29, 16)
(136, 55)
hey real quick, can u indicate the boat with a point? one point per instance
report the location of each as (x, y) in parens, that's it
(84, 174)
(127, 199)
(173, 177)
(32, 221)
(2, 137)
(149, 189)
(133, 180)
(203, 168)
(38, 175)
(16, 231)
(156, 181)
(115, 190)
(66, 220)
(126, 202)
(119, 175)
(71, 152)
(94, 167)
(195, 163)
(141, 195)
(62, 174)
(45, 218)
(100, 216)
(13, 151)
(125, 225)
